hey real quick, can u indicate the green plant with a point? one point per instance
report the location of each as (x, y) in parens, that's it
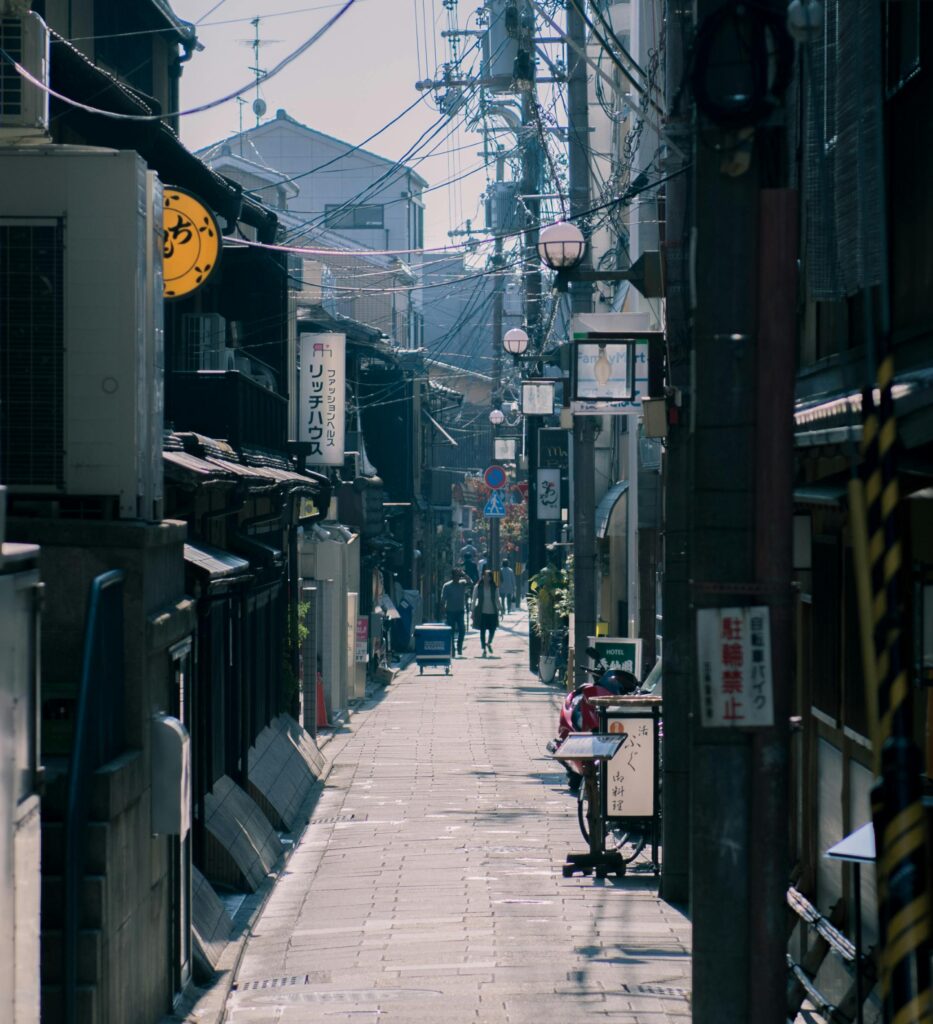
(550, 600)
(295, 636)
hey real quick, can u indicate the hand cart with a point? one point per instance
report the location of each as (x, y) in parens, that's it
(434, 645)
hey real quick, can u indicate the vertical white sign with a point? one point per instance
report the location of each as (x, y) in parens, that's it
(322, 394)
(548, 494)
(734, 652)
(630, 774)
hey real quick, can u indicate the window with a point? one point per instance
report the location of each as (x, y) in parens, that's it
(31, 352)
(418, 242)
(338, 215)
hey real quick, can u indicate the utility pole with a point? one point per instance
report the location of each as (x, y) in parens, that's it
(497, 299)
(677, 629)
(739, 806)
(531, 190)
(584, 427)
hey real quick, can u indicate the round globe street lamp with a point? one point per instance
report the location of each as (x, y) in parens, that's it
(515, 342)
(496, 417)
(561, 245)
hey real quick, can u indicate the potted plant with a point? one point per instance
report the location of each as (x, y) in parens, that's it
(549, 605)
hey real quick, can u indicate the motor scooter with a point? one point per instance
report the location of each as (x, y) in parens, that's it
(577, 714)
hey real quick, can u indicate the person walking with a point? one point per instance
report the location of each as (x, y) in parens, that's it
(470, 569)
(454, 596)
(507, 585)
(486, 610)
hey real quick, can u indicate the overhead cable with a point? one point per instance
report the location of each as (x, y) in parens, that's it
(254, 83)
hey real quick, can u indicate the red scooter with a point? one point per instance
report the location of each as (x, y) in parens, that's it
(577, 714)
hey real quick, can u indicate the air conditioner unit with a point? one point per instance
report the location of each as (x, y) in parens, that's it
(203, 342)
(24, 107)
(81, 327)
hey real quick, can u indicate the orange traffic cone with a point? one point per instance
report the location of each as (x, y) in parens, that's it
(321, 714)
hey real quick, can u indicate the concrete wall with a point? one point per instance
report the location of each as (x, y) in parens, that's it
(128, 893)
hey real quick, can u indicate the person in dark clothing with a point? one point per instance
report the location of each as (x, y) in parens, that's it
(454, 596)
(470, 569)
(486, 610)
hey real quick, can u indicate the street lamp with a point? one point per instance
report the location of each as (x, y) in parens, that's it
(515, 341)
(496, 417)
(561, 247)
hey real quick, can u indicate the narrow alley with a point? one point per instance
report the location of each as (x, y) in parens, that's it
(428, 885)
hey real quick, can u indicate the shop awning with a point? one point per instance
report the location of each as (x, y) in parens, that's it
(214, 563)
(606, 505)
(826, 494)
(837, 418)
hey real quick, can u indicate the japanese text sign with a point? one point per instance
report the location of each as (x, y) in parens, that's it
(630, 774)
(322, 394)
(734, 655)
(548, 505)
(191, 243)
(361, 644)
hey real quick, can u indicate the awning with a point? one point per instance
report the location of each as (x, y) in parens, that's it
(439, 428)
(606, 505)
(214, 563)
(829, 493)
(837, 418)
(183, 465)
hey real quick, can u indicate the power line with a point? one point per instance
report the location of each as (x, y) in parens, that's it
(114, 115)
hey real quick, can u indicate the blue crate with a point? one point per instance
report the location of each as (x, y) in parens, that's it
(434, 645)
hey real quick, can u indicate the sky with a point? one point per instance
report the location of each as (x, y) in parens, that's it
(354, 80)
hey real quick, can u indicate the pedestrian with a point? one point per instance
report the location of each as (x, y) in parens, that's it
(454, 595)
(507, 585)
(482, 563)
(470, 569)
(486, 610)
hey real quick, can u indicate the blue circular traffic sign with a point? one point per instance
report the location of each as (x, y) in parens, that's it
(495, 477)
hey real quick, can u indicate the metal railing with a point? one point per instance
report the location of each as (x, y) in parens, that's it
(98, 738)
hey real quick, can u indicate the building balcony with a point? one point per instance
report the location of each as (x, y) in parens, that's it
(227, 404)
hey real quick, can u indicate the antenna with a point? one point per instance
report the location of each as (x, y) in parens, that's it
(256, 44)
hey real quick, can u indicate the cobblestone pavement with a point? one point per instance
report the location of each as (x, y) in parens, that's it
(428, 886)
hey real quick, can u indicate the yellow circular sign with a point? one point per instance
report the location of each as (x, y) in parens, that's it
(191, 243)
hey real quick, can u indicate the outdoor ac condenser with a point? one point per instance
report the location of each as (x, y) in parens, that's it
(24, 107)
(83, 331)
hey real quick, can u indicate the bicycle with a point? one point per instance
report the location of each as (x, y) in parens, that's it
(626, 842)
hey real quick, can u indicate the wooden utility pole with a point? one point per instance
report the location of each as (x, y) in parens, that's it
(740, 525)
(584, 427)
(677, 631)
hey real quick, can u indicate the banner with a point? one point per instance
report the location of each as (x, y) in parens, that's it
(548, 494)
(322, 396)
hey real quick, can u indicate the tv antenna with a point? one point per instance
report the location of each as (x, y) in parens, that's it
(256, 44)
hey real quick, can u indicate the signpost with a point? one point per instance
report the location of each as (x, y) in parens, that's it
(495, 477)
(619, 652)
(495, 506)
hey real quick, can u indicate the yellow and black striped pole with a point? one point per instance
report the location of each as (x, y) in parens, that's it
(900, 833)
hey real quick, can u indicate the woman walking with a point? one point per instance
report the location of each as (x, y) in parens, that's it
(486, 610)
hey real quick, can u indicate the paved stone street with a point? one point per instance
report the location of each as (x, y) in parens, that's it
(428, 886)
